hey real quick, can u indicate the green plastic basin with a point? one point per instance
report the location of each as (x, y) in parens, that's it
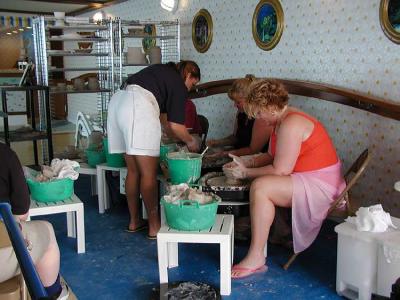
(113, 160)
(50, 191)
(184, 167)
(95, 157)
(190, 215)
(165, 149)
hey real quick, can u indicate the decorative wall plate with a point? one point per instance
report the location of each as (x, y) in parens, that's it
(202, 30)
(267, 24)
(389, 14)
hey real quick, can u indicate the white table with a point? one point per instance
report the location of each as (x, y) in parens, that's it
(75, 216)
(84, 168)
(102, 187)
(221, 233)
(103, 192)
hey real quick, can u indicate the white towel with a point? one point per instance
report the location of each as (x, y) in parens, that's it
(373, 219)
(65, 168)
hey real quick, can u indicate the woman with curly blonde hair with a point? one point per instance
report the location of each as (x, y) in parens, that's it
(301, 170)
(249, 136)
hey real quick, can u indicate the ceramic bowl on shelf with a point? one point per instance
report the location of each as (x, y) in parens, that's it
(59, 15)
(85, 45)
(87, 34)
(135, 56)
(136, 31)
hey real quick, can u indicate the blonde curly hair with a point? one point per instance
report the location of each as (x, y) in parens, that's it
(241, 87)
(265, 94)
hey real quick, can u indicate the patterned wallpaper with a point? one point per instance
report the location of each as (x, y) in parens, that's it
(338, 42)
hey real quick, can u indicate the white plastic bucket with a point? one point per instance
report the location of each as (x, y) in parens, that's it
(356, 262)
(388, 263)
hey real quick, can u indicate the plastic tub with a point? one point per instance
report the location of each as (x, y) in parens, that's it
(356, 274)
(113, 160)
(50, 191)
(95, 157)
(184, 167)
(190, 215)
(165, 149)
(388, 260)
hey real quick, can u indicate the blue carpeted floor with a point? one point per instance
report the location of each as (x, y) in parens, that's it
(120, 265)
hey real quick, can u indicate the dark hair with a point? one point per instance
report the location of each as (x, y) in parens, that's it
(185, 67)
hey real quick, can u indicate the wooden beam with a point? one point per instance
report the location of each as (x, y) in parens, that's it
(79, 2)
(316, 90)
(91, 8)
(26, 11)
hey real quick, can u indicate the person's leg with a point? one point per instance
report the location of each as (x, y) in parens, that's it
(281, 229)
(148, 166)
(132, 192)
(43, 249)
(48, 265)
(265, 193)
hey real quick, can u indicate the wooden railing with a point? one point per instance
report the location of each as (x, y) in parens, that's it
(327, 92)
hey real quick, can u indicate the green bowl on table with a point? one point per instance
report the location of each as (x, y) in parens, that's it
(184, 167)
(190, 215)
(95, 157)
(51, 191)
(113, 160)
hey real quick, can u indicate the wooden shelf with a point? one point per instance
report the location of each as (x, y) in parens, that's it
(86, 91)
(79, 27)
(28, 135)
(76, 54)
(77, 69)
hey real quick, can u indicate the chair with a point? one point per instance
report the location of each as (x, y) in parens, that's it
(351, 177)
(204, 127)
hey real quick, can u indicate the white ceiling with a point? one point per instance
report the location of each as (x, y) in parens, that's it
(38, 6)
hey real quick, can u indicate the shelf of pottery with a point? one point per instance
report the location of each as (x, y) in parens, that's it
(142, 43)
(74, 55)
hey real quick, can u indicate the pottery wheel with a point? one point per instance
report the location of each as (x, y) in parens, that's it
(209, 162)
(221, 181)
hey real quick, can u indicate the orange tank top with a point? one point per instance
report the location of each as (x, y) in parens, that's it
(316, 152)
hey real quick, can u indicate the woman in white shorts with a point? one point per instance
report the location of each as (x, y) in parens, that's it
(133, 128)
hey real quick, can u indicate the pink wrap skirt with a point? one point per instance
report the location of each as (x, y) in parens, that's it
(313, 194)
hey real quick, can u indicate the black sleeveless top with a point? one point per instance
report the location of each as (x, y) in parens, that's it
(243, 131)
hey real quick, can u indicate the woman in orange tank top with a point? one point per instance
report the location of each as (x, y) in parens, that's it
(301, 170)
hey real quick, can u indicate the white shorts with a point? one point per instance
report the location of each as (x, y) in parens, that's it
(133, 123)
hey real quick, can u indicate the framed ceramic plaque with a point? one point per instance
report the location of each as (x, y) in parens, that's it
(389, 14)
(267, 24)
(202, 30)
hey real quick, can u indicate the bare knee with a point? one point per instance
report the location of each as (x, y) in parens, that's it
(259, 189)
(52, 238)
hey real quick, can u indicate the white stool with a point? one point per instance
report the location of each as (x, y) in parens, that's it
(75, 216)
(357, 261)
(221, 233)
(84, 168)
(102, 187)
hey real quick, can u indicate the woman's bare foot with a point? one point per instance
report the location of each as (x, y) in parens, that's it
(250, 262)
(137, 225)
(153, 229)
